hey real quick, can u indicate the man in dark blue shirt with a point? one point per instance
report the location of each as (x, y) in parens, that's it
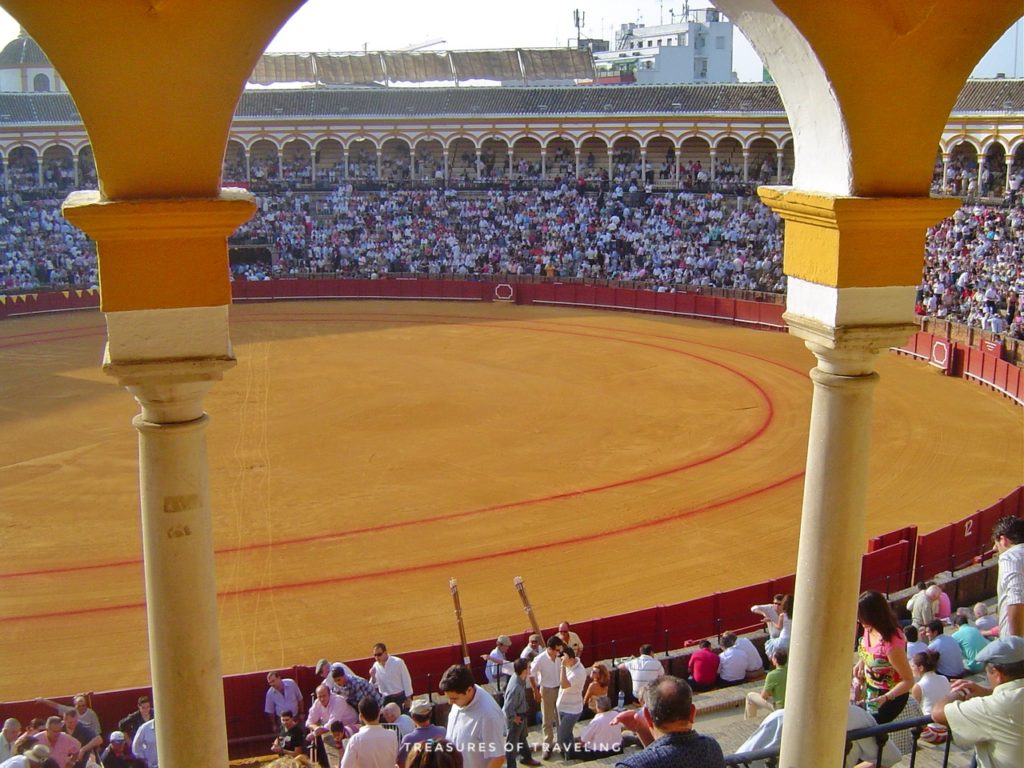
(670, 712)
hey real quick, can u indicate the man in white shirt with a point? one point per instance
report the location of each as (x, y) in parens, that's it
(329, 708)
(373, 746)
(545, 678)
(732, 663)
(144, 743)
(391, 677)
(1008, 537)
(602, 737)
(643, 670)
(476, 724)
(10, 733)
(755, 664)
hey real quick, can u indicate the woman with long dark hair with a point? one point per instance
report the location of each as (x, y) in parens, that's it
(882, 663)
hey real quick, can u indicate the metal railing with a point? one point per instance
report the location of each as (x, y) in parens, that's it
(879, 733)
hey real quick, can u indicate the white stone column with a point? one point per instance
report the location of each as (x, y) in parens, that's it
(945, 173)
(544, 162)
(643, 165)
(713, 163)
(982, 160)
(345, 163)
(177, 533)
(380, 153)
(778, 165)
(479, 163)
(579, 154)
(831, 534)
(1009, 173)
(746, 165)
(511, 167)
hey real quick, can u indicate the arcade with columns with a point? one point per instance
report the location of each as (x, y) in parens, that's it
(868, 89)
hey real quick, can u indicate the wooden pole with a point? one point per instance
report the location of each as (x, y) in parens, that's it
(454, 585)
(521, 589)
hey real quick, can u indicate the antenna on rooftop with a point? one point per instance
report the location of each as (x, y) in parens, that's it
(579, 19)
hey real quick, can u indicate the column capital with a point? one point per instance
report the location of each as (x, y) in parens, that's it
(161, 254)
(844, 242)
(847, 350)
(169, 391)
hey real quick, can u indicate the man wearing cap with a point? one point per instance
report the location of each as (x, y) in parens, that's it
(533, 648)
(64, 749)
(283, 695)
(34, 756)
(495, 659)
(990, 719)
(10, 732)
(420, 711)
(1008, 537)
(391, 677)
(118, 755)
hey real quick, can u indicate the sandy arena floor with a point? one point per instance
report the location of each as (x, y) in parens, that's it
(364, 452)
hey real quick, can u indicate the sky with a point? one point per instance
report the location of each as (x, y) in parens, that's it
(331, 25)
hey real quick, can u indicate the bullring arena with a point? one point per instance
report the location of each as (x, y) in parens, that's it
(363, 452)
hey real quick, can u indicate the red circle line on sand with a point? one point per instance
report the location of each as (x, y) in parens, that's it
(339, 535)
(561, 543)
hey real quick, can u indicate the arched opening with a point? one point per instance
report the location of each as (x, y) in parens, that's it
(695, 163)
(761, 165)
(362, 160)
(661, 160)
(594, 159)
(87, 168)
(297, 163)
(728, 170)
(430, 160)
(962, 169)
(396, 160)
(58, 168)
(41, 83)
(626, 166)
(330, 163)
(992, 182)
(787, 166)
(462, 159)
(264, 163)
(234, 164)
(526, 159)
(560, 159)
(23, 168)
(493, 158)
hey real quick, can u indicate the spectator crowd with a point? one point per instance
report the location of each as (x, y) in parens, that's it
(665, 240)
(374, 721)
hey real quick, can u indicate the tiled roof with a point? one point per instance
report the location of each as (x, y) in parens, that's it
(58, 108)
(23, 50)
(41, 108)
(996, 95)
(513, 101)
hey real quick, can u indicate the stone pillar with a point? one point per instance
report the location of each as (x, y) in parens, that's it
(852, 265)
(164, 269)
(445, 161)
(344, 169)
(544, 162)
(74, 165)
(280, 164)
(746, 165)
(6, 171)
(479, 163)
(39, 169)
(1009, 173)
(312, 166)
(611, 167)
(579, 154)
(779, 154)
(945, 173)
(248, 166)
(678, 161)
(982, 160)
(511, 159)
(714, 163)
(643, 166)
(380, 154)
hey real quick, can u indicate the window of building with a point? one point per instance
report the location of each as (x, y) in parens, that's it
(41, 83)
(720, 42)
(700, 69)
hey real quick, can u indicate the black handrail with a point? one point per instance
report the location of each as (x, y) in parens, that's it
(879, 732)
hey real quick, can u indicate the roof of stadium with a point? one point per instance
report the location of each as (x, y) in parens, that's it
(977, 96)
